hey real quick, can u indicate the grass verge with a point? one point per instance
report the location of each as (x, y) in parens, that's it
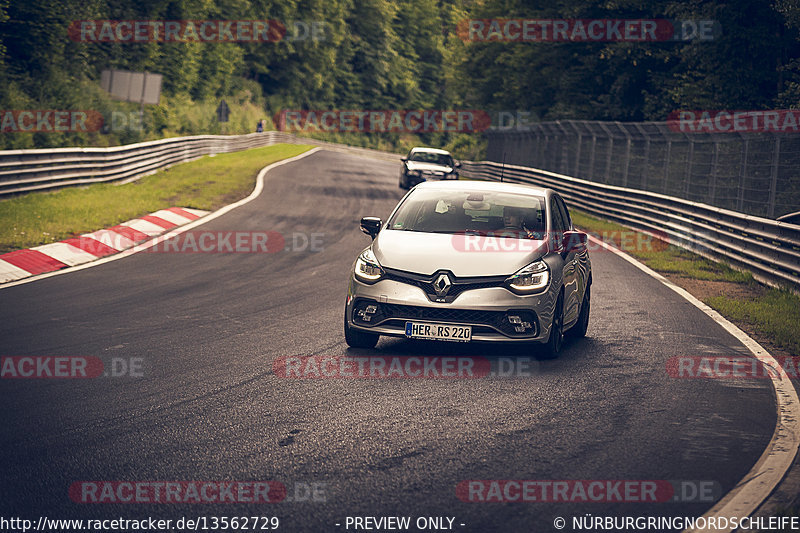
(767, 313)
(207, 183)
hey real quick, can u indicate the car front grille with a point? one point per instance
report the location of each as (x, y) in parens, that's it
(413, 312)
(398, 314)
(459, 285)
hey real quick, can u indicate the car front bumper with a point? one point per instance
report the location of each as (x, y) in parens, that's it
(413, 180)
(485, 309)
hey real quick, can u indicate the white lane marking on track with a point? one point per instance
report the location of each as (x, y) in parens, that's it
(177, 231)
(761, 480)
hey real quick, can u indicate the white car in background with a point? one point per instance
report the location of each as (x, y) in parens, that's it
(424, 164)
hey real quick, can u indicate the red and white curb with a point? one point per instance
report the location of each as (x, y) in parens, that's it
(91, 246)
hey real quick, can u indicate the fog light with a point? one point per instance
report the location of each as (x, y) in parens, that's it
(366, 313)
(520, 326)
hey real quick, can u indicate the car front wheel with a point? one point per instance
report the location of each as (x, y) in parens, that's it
(580, 327)
(553, 346)
(359, 339)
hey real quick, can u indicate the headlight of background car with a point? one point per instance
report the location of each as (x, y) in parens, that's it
(367, 268)
(414, 173)
(531, 278)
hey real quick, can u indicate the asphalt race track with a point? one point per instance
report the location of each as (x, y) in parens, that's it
(207, 328)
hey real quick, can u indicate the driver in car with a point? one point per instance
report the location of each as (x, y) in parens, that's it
(514, 221)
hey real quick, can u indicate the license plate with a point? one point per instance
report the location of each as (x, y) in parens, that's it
(438, 332)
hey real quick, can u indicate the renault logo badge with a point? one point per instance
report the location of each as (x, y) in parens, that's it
(442, 284)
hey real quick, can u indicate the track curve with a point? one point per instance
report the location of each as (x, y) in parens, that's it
(209, 326)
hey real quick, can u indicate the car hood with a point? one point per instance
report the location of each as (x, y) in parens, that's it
(464, 256)
(418, 165)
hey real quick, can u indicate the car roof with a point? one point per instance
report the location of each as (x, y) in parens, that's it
(488, 186)
(430, 150)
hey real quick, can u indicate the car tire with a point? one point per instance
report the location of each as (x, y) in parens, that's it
(552, 348)
(580, 327)
(403, 185)
(359, 339)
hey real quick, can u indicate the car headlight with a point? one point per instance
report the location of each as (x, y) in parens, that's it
(530, 279)
(367, 267)
(414, 173)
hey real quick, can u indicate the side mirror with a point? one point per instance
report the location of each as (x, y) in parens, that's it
(458, 164)
(575, 241)
(403, 159)
(371, 226)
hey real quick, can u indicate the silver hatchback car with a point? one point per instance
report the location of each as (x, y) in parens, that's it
(471, 261)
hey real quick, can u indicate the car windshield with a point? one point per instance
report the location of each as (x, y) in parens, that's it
(471, 211)
(430, 157)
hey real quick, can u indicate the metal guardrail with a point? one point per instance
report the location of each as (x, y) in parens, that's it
(33, 170)
(769, 249)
